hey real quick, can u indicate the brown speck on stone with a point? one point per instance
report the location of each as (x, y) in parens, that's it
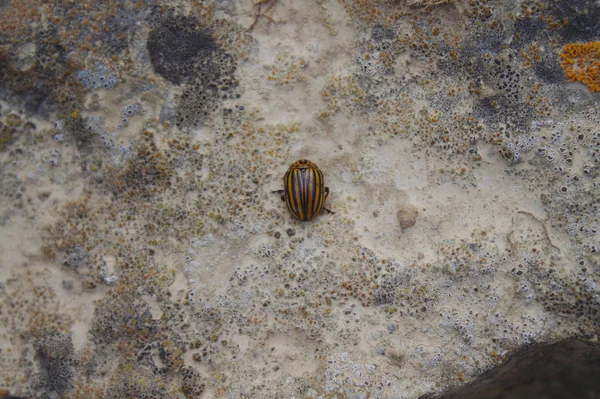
(407, 215)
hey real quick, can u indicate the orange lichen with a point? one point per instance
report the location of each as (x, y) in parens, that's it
(532, 55)
(581, 62)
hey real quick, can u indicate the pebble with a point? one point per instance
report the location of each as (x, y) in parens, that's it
(407, 215)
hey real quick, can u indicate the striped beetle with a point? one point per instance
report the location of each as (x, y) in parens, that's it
(304, 190)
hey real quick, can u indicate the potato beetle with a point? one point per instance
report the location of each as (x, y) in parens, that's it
(304, 190)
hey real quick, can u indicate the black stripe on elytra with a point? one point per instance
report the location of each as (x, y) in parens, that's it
(306, 178)
(289, 190)
(294, 194)
(302, 193)
(314, 192)
(318, 192)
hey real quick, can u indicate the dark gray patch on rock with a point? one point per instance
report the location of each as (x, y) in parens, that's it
(566, 369)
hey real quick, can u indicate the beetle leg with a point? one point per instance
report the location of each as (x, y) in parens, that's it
(281, 192)
(325, 199)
